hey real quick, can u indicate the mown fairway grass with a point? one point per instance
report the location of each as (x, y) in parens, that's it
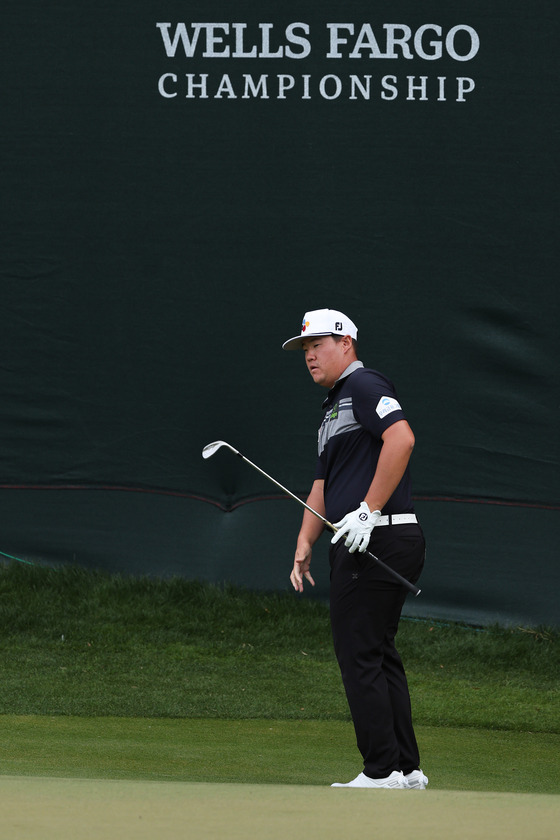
(92, 646)
(292, 752)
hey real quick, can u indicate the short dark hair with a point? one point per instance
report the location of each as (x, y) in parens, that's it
(338, 338)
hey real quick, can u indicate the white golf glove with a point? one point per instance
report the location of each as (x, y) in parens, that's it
(356, 526)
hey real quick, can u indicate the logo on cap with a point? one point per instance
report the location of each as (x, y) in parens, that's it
(338, 326)
(304, 325)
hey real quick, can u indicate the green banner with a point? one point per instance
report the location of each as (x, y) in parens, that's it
(181, 181)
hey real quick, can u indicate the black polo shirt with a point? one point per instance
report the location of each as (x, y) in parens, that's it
(360, 406)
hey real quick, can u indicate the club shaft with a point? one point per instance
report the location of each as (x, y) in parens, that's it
(289, 492)
(410, 586)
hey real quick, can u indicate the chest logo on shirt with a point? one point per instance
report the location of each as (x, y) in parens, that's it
(386, 405)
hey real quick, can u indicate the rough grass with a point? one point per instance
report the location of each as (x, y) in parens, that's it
(74, 642)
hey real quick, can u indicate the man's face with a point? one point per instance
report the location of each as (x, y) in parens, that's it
(326, 358)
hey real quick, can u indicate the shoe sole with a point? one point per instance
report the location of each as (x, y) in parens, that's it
(371, 787)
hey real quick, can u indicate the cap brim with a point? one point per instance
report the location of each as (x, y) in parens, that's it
(295, 342)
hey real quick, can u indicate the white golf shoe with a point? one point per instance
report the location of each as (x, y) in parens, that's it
(395, 780)
(416, 780)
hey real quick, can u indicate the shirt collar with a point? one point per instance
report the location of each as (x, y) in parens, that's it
(350, 369)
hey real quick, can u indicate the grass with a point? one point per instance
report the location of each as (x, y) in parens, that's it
(124, 678)
(264, 752)
(75, 642)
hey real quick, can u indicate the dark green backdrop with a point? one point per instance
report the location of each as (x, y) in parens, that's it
(157, 250)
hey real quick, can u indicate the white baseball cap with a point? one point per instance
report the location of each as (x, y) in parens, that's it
(322, 322)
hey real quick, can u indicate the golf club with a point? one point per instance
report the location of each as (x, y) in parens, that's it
(211, 449)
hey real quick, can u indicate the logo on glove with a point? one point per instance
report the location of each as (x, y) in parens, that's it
(356, 528)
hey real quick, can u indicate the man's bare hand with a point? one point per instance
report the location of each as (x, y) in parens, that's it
(302, 562)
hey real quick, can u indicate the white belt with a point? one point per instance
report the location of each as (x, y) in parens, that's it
(396, 519)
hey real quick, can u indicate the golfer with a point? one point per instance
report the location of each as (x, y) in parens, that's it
(362, 486)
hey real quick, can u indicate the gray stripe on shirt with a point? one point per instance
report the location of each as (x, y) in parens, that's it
(337, 421)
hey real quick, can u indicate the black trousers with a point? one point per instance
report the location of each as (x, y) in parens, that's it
(365, 608)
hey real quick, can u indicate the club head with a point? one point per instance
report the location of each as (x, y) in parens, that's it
(211, 448)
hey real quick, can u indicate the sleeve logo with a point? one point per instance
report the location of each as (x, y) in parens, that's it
(386, 405)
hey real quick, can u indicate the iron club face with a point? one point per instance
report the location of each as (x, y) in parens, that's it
(211, 448)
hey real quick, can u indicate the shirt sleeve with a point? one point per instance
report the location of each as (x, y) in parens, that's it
(375, 402)
(319, 469)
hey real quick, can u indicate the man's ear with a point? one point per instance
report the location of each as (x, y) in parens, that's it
(347, 343)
